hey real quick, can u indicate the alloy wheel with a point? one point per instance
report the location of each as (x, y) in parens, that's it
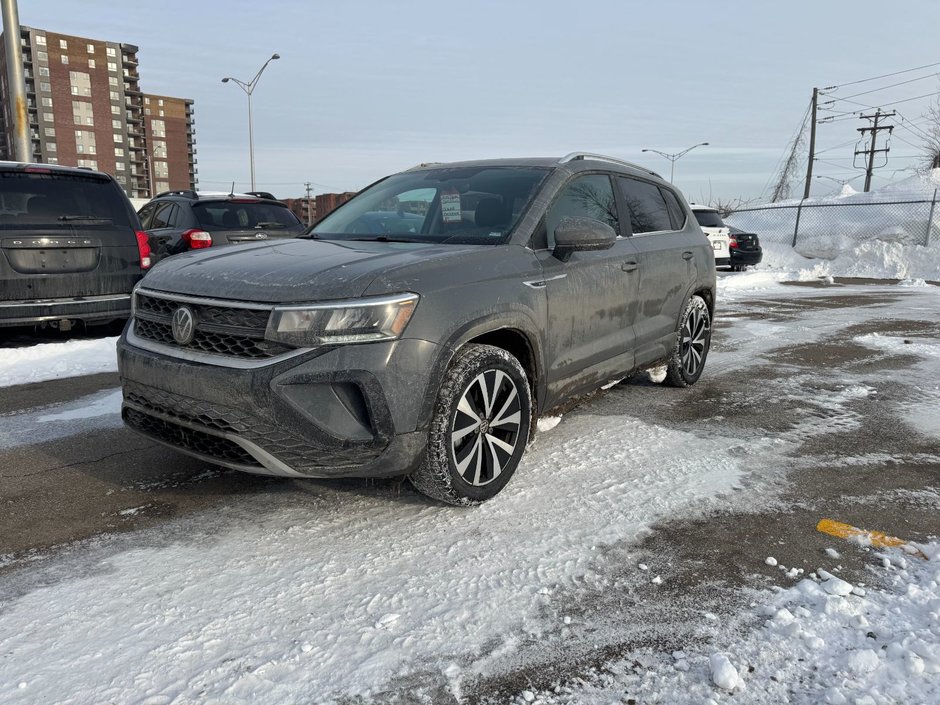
(695, 334)
(485, 430)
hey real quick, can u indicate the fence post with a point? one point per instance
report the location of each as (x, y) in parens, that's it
(796, 228)
(933, 204)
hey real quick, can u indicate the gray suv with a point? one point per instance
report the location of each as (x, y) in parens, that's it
(420, 328)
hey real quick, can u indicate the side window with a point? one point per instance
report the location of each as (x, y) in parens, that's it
(162, 216)
(676, 211)
(648, 212)
(586, 196)
(145, 214)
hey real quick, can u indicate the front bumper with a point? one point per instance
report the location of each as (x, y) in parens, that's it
(87, 308)
(348, 411)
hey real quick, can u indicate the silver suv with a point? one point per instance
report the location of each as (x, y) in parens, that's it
(421, 328)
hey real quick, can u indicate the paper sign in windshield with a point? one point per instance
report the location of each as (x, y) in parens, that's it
(450, 207)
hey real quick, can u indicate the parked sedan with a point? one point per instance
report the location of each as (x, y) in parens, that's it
(178, 221)
(745, 249)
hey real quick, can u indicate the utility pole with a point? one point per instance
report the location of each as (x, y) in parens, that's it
(309, 210)
(871, 151)
(16, 82)
(812, 145)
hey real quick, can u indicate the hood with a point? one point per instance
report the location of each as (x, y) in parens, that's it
(288, 270)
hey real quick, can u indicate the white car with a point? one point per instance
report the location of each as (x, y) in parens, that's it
(718, 234)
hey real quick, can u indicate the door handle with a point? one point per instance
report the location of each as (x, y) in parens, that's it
(629, 266)
(687, 255)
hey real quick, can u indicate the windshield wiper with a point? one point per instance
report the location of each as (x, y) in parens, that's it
(69, 218)
(384, 238)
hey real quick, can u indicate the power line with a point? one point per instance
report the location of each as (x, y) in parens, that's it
(883, 88)
(844, 144)
(875, 78)
(898, 137)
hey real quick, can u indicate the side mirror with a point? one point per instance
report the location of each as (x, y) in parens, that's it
(580, 234)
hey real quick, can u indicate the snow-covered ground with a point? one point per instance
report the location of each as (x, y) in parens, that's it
(340, 593)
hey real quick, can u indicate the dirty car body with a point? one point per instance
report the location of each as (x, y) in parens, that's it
(412, 322)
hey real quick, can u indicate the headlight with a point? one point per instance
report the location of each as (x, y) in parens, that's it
(355, 321)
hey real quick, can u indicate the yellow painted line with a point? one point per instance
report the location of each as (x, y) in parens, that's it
(847, 531)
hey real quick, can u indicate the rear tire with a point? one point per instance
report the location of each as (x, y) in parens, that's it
(693, 339)
(479, 429)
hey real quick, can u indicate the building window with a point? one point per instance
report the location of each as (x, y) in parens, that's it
(52, 160)
(82, 113)
(43, 70)
(161, 170)
(91, 63)
(80, 82)
(47, 116)
(63, 44)
(146, 101)
(160, 102)
(115, 109)
(158, 127)
(50, 131)
(119, 166)
(116, 124)
(115, 95)
(112, 66)
(159, 149)
(51, 146)
(42, 56)
(43, 86)
(111, 52)
(118, 138)
(90, 48)
(65, 59)
(118, 152)
(47, 102)
(112, 81)
(161, 113)
(163, 186)
(41, 39)
(146, 111)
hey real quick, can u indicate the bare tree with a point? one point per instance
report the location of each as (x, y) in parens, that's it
(726, 207)
(931, 139)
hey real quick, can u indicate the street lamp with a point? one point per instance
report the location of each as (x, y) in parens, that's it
(673, 157)
(249, 88)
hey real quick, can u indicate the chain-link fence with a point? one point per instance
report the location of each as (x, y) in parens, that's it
(911, 222)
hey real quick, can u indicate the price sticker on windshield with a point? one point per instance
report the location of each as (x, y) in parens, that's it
(450, 207)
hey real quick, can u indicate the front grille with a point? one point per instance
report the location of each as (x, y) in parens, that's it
(192, 440)
(228, 331)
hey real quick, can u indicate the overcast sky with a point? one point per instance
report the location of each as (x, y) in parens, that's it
(368, 88)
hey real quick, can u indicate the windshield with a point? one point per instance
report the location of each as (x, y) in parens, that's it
(242, 215)
(708, 219)
(464, 205)
(61, 199)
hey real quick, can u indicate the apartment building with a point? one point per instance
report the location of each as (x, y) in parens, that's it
(86, 108)
(327, 202)
(304, 208)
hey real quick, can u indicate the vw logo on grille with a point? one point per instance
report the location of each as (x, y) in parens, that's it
(184, 325)
(261, 236)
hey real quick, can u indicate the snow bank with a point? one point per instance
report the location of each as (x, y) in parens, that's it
(39, 363)
(823, 640)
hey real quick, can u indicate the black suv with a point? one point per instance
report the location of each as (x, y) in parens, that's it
(421, 327)
(177, 221)
(70, 247)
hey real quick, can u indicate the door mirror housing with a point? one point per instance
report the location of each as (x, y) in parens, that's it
(580, 234)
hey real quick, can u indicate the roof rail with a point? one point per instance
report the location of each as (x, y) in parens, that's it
(422, 165)
(575, 156)
(262, 194)
(183, 192)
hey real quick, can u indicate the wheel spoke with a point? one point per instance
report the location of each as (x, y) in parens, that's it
(463, 464)
(459, 435)
(514, 418)
(498, 420)
(497, 466)
(500, 443)
(465, 407)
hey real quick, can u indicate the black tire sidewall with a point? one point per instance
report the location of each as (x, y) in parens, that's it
(676, 374)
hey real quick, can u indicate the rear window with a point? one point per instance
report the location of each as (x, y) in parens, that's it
(709, 219)
(61, 199)
(233, 215)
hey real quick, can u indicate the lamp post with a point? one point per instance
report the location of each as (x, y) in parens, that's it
(673, 157)
(249, 89)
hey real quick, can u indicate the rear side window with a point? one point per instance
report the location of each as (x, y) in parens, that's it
(229, 215)
(708, 219)
(676, 211)
(586, 197)
(163, 216)
(61, 199)
(648, 211)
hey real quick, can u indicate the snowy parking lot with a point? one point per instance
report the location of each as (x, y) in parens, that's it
(656, 545)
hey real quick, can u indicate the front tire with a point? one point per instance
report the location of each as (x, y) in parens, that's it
(479, 429)
(694, 337)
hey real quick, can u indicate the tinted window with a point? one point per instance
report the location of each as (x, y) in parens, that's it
(235, 215)
(61, 199)
(587, 197)
(676, 211)
(469, 205)
(648, 212)
(145, 214)
(162, 217)
(708, 219)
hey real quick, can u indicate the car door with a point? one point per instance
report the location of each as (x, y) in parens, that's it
(665, 256)
(591, 297)
(161, 230)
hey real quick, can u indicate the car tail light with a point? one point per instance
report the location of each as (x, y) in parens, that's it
(143, 248)
(197, 239)
(732, 242)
